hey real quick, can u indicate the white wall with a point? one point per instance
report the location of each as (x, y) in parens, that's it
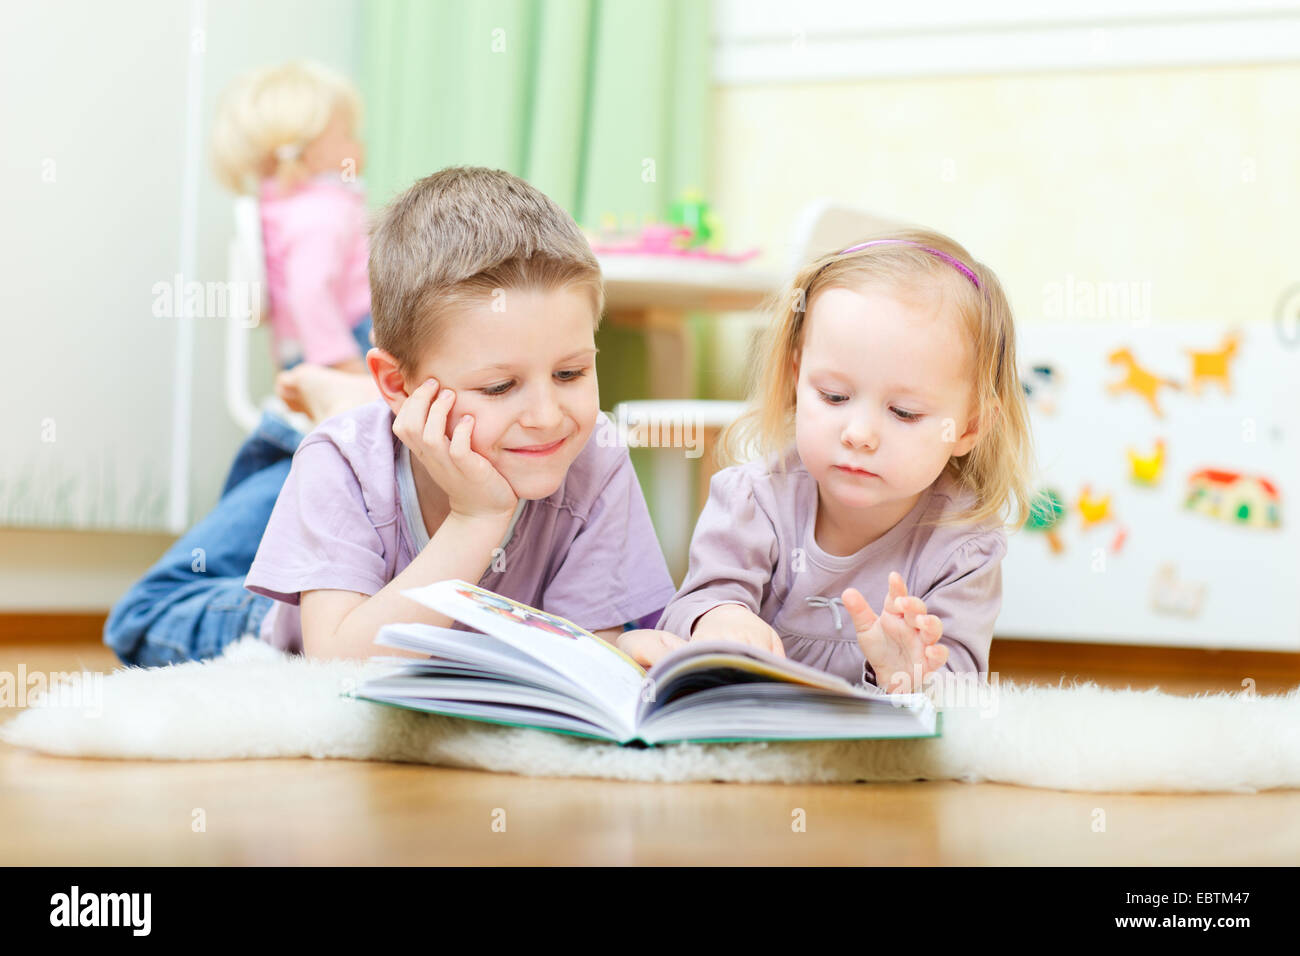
(93, 113)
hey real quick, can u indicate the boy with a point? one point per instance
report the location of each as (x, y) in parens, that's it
(475, 462)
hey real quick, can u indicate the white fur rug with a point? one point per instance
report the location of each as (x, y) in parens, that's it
(258, 702)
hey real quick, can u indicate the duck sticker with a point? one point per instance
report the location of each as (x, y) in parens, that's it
(1093, 509)
(1147, 469)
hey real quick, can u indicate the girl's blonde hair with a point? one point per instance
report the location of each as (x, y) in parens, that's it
(267, 117)
(999, 469)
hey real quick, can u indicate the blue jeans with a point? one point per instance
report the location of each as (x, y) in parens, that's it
(192, 602)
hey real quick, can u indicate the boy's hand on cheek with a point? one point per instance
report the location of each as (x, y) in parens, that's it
(473, 487)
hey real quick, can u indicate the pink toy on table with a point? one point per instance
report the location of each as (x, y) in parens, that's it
(666, 240)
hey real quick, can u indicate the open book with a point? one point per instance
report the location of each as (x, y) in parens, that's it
(533, 669)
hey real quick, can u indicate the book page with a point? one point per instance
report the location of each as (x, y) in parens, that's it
(699, 655)
(611, 678)
(479, 650)
(730, 686)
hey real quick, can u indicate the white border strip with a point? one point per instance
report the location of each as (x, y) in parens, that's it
(783, 53)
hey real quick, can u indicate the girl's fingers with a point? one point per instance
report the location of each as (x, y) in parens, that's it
(662, 645)
(911, 613)
(896, 591)
(914, 614)
(858, 608)
(896, 629)
(640, 654)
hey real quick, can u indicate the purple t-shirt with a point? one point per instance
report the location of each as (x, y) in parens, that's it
(347, 518)
(755, 545)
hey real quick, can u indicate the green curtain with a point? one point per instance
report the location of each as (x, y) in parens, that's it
(601, 104)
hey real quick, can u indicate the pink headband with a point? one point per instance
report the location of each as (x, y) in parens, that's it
(956, 263)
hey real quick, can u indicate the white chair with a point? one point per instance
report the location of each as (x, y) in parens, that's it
(651, 420)
(829, 226)
(248, 304)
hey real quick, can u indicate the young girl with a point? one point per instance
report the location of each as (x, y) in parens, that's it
(893, 433)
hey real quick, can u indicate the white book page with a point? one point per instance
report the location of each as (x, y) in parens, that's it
(694, 662)
(470, 648)
(608, 677)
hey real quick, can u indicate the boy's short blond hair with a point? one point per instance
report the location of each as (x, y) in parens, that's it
(458, 236)
(268, 116)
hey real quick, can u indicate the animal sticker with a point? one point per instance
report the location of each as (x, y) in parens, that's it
(1147, 469)
(1213, 366)
(1041, 383)
(1169, 595)
(1093, 509)
(1138, 380)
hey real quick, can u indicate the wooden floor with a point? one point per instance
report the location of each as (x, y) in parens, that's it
(102, 812)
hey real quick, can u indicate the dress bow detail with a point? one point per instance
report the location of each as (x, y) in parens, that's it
(833, 603)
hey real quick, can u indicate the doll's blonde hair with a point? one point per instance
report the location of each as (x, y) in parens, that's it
(268, 116)
(999, 469)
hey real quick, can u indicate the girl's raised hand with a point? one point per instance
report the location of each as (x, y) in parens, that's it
(473, 487)
(901, 643)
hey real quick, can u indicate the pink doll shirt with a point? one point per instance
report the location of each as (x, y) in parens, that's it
(317, 249)
(754, 545)
(348, 518)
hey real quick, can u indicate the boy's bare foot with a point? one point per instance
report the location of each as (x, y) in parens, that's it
(321, 392)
